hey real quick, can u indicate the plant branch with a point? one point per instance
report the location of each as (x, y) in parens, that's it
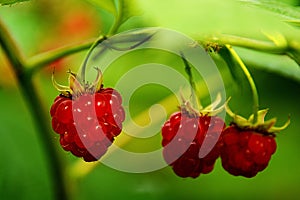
(290, 47)
(10, 48)
(258, 45)
(35, 107)
(41, 60)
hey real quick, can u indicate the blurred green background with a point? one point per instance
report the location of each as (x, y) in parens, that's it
(38, 26)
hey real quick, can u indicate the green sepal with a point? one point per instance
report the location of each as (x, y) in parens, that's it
(96, 85)
(237, 119)
(210, 110)
(275, 129)
(262, 126)
(75, 85)
(260, 116)
(266, 126)
(64, 90)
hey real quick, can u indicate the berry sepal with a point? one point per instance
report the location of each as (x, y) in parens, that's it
(262, 126)
(210, 110)
(77, 86)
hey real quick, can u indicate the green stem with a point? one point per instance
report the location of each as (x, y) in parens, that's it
(39, 61)
(35, 107)
(289, 48)
(194, 90)
(114, 28)
(250, 80)
(83, 67)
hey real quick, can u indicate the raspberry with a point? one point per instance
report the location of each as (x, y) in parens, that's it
(87, 121)
(191, 143)
(247, 144)
(246, 152)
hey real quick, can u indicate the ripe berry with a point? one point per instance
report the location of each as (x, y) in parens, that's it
(247, 146)
(191, 143)
(87, 118)
(246, 152)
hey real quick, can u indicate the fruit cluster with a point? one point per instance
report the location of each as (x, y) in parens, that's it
(88, 117)
(194, 140)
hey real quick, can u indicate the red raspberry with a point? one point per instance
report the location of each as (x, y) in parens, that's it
(246, 152)
(248, 144)
(88, 121)
(191, 143)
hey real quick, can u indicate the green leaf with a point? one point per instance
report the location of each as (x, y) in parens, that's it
(10, 2)
(108, 5)
(282, 9)
(199, 18)
(279, 64)
(128, 9)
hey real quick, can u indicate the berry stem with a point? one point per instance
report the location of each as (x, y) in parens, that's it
(114, 28)
(194, 90)
(250, 80)
(30, 94)
(100, 39)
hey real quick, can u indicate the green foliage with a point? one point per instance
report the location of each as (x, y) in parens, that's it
(121, 9)
(277, 7)
(278, 64)
(196, 18)
(108, 5)
(289, 13)
(129, 9)
(11, 2)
